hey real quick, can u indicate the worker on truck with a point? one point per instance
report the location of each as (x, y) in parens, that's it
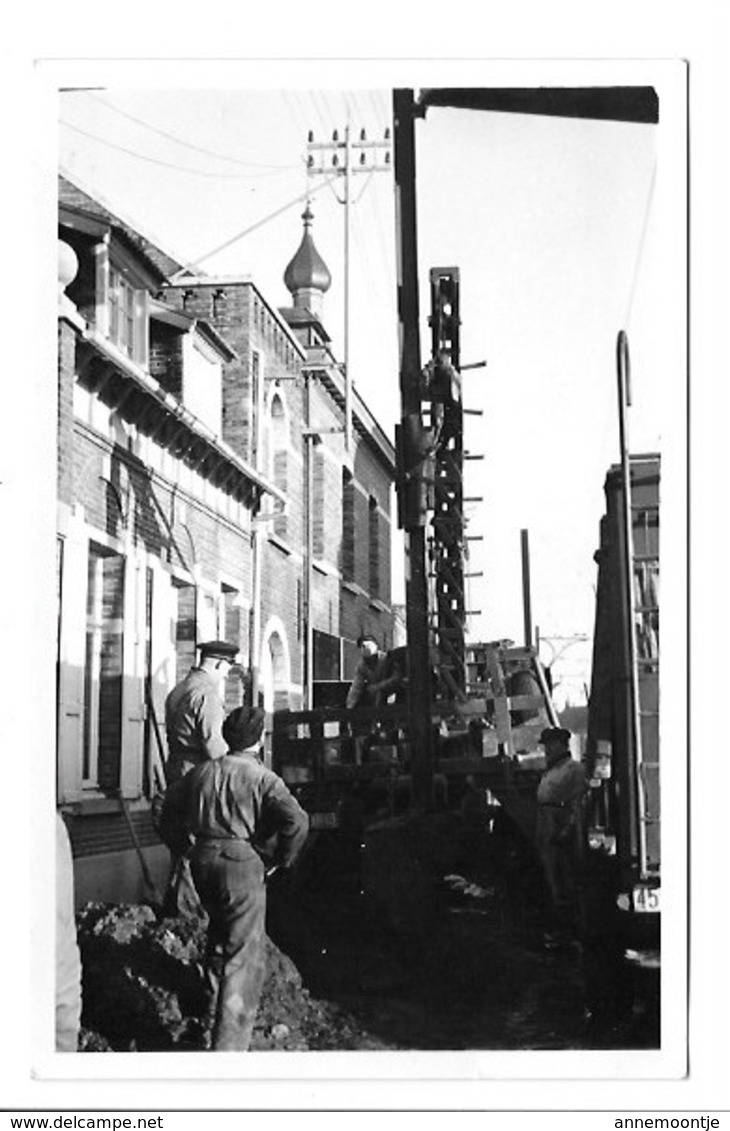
(378, 676)
(560, 826)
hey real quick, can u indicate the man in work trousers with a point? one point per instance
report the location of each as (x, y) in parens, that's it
(194, 714)
(560, 824)
(246, 825)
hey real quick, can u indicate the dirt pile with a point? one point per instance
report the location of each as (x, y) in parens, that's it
(144, 990)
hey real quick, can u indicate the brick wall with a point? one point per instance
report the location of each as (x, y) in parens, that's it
(240, 316)
(214, 545)
(165, 357)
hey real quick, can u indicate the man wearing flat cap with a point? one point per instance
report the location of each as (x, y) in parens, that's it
(560, 824)
(194, 710)
(194, 714)
(246, 825)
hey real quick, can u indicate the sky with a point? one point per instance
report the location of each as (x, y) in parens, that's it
(564, 232)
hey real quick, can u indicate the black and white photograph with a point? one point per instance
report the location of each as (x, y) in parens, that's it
(364, 625)
(360, 492)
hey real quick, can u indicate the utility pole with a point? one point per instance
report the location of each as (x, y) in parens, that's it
(345, 157)
(410, 445)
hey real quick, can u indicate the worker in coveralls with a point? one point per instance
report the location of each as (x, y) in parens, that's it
(560, 826)
(194, 714)
(246, 825)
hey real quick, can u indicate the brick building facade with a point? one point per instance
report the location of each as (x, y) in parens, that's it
(204, 490)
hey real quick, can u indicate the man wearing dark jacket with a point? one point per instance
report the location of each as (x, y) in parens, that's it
(246, 825)
(560, 822)
(377, 675)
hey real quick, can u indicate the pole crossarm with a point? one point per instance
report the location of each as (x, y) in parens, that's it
(348, 156)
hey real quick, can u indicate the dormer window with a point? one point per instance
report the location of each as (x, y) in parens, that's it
(121, 312)
(121, 301)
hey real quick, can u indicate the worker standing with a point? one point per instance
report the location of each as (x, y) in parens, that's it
(194, 714)
(246, 825)
(560, 825)
(194, 710)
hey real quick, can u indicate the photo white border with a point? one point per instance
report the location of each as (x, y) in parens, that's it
(40, 732)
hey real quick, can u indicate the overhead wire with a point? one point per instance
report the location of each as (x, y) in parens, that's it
(155, 160)
(295, 112)
(640, 249)
(609, 432)
(183, 142)
(378, 102)
(252, 228)
(314, 100)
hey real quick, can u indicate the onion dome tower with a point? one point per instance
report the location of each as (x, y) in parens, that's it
(307, 277)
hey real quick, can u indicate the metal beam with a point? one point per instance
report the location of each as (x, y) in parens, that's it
(604, 103)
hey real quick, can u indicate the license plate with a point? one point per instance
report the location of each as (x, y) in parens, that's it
(647, 899)
(323, 820)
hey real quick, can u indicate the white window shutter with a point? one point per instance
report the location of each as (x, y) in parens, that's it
(133, 667)
(164, 612)
(72, 660)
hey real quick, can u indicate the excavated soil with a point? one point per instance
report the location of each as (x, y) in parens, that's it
(340, 977)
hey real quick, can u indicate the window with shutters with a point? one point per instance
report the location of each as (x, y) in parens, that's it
(103, 669)
(122, 323)
(121, 295)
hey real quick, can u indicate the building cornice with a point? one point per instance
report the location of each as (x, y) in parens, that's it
(138, 396)
(182, 281)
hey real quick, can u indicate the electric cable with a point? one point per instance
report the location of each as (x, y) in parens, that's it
(247, 231)
(155, 160)
(295, 112)
(187, 144)
(314, 98)
(640, 250)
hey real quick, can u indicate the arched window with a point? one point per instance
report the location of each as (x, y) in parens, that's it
(274, 675)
